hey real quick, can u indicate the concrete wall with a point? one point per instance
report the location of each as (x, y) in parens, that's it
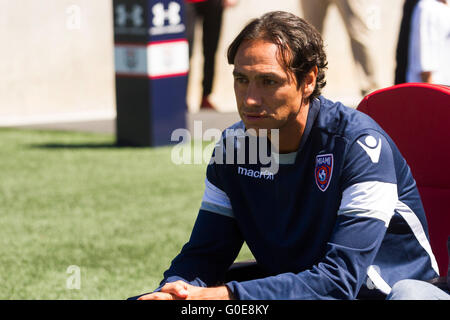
(57, 58)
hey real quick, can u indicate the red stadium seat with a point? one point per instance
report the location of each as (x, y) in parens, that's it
(417, 117)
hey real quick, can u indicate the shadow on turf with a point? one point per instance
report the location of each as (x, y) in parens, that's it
(83, 146)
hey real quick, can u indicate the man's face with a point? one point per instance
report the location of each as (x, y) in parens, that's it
(266, 94)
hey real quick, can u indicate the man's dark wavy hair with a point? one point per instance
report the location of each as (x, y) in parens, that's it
(300, 44)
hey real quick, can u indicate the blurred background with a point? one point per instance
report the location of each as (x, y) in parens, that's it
(81, 218)
(57, 61)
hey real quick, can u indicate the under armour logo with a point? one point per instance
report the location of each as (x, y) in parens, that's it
(122, 15)
(160, 15)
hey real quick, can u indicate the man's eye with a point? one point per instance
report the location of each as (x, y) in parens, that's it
(269, 82)
(241, 80)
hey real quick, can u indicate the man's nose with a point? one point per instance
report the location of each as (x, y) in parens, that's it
(253, 96)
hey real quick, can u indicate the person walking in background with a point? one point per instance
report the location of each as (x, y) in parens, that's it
(354, 14)
(429, 48)
(401, 54)
(211, 12)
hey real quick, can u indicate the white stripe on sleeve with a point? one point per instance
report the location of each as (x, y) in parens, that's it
(372, 199)
(215, 200)
(417, 229)
(377, 280)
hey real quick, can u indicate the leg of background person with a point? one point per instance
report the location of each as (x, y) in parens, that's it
(355, 15)
(212, 11)
(401, 53)
(314, 11)
(416, 290)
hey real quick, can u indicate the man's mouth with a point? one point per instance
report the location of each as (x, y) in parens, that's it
(254, 116)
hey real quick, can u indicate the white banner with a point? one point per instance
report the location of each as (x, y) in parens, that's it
(154, 60)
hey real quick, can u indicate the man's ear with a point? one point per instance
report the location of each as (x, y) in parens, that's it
(309, 82)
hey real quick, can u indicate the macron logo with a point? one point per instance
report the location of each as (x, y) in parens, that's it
(255, 173)
(372, 148)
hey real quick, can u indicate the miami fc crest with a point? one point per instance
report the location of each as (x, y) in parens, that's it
(323, 170)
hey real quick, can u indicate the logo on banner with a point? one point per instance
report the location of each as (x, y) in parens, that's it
(323, 170)
(172, 15)
(131, 59)
(129, 22)
(135, 16)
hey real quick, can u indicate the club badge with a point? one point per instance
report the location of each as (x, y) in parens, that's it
(323, 170)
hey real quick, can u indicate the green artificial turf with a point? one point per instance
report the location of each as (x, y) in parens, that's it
(119, 215)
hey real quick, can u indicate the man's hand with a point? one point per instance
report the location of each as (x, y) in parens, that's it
(426, 76)
(180, 290)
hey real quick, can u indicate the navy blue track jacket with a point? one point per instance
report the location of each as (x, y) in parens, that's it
(341, 214)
